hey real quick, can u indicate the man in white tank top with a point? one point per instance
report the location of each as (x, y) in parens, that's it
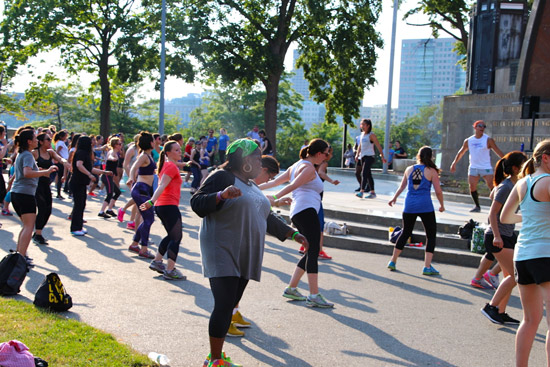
(479, 145)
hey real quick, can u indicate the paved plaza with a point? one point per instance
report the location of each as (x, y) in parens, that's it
(381, 318)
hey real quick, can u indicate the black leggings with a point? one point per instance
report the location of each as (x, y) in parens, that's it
(113, 192)
(430, 227)
(44, 203)
(170, 217)
(79, 204)
(2, 185)
(307, 223)
(59, 184)
(227, 292)
(367, 182)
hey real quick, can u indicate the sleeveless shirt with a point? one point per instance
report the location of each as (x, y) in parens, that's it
(480, 154)
(307, 195)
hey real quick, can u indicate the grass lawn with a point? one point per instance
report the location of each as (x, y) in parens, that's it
(61, 341)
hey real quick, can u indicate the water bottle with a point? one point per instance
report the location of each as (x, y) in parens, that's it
(161, 359)
(522, 147)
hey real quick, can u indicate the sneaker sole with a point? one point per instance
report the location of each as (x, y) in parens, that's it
(429, 274)
(157, 270)
(490, 318)
(170, 278)
(235, 335)
(313, 304)
(294, 298)
(241, 325)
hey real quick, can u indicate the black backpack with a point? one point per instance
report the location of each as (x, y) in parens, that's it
(13, 270)
(465, 231)
(52, 295)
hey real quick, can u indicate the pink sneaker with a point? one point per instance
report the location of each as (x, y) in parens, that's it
(120, 215)
(131, 225)
(134, 248)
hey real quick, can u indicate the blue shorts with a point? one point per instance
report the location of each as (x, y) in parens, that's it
(476, 172)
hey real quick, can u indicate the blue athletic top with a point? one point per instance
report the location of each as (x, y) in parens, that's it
(149, 169)
(223, 142)
(418, 199)
(534, 235)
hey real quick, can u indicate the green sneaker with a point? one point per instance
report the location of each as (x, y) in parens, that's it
(293, 294)
(225, 358)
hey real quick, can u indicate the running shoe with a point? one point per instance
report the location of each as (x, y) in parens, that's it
(92, 194)
(233, 331)
(131, 225)
(507, 319)
(30, 264)
(481, 284)
(60, 197)
(111, 213)
(475, 209)
(173, 274)
(491, 279)
(323, 256)
(318, 301)
(103, 215)
(157, 266)
(39, 239)
(391, 266)
(222, 363)
(370, 195)
(224, 357)
(239, 321)
(7, 213)
(302, 249)
(429, 271)
(359, 194)
(134, 248)
(491, 312)
(293, 294)
(84, 229)
(120, 215)
(78, 233)
(147, 254)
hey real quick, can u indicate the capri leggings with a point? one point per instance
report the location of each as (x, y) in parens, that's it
(170, 217)
(44, 203)
(367, 182)
(307, 223)
(227, 292)
(141, 192)
(430, 227)
(113, 192)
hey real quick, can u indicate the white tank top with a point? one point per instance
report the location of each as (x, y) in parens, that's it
(63, 150)
(308, 195)
(480, 154)
(367, 148)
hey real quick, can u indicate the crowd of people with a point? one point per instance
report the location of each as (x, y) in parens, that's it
(226, 186)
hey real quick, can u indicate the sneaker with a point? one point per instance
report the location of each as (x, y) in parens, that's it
(359, 194)
(224, 357)
(233, 331)
(481, 283)
(134, 248)
(78, 233)
(370, 195)
(475, 209)
(186, 185)
(69, 217)
(429, 271)
(7, 213)
(173, 274)
(38, 239)
(302, 249)
(111, 213)
(29, 262)
(131, 225)
(491, 312)
(120, 215)
(147, 254)
(323, 255)
(60, 197)
(391, 266)
(293, 294)
(222, 363)
(92, 194)
(84, 229)
(157, 266)
(318, 301)
(103, 215)
(491, 279)
(507, 319)
(239, 321)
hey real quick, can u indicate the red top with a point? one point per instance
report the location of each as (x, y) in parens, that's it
(188, 149)
(171, 194)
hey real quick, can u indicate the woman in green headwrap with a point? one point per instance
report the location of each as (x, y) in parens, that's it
(236, 216)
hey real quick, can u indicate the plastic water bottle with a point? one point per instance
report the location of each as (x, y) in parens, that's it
(522, 147)
(161, 359)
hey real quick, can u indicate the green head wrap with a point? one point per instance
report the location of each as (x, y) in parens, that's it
(248, 146)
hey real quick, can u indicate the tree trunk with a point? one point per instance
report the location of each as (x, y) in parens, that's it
(270, 108)
(105, 105)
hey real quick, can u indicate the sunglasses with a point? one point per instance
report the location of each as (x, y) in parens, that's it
(482, 126)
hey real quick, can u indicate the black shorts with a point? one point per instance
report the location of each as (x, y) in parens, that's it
(533, 271)
(508, 242)
(23, 203)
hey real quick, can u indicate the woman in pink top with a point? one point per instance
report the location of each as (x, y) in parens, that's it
(166, 200)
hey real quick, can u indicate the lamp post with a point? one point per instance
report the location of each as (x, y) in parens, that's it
(390, 84)
(162, 66)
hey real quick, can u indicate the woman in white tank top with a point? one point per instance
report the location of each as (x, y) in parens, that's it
(306, 187)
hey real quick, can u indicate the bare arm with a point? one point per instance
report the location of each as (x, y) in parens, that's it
(29, 173)
(437, 187)
(304, 176)
(127, 159)
(508, 214)
(459, 155)
(401, 187)
(279, 180)
(164, 181)
(377, 144)
(492, 145)
(323, 174)
(493, 213)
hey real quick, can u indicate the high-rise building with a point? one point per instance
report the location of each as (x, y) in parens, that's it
(429, 71)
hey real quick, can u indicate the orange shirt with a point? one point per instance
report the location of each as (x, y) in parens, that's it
(171, 194)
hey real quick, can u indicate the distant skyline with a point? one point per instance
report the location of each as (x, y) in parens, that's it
(377, 95)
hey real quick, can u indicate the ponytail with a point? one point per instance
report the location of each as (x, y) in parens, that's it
(499, 172)
(528, 167)
(505, 166)
(161, 160)
(424, 157)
